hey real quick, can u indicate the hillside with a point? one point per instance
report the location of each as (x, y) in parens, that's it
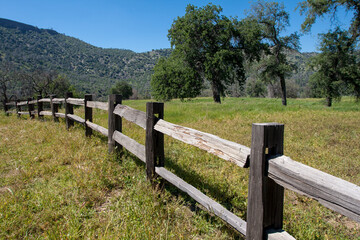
(91, 69)
(94, 70)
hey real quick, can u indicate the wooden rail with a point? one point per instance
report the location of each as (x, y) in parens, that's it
(99, 105)
(75, 101)
(97, 128)
(270, 170)
(76, 118)
(332, 192)
(132, 115)
(227, 150)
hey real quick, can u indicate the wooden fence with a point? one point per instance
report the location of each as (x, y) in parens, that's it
(270, 170)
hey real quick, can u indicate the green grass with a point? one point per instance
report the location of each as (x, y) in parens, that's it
(56, 183)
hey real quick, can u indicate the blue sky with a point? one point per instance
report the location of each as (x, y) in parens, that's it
(138, 25)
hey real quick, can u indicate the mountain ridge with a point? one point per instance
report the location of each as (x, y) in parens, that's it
(91, 69)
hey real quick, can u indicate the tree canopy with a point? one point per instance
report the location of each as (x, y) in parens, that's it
(172, 78)
(122, 88)
(336, 65)
(273, 20)
(214, 46)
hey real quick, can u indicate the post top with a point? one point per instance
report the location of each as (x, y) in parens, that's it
(268, 124)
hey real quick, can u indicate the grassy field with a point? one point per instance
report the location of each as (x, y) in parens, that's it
(58, 184)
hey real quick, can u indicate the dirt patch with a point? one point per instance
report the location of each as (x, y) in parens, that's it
(342, 220)
(108, 200)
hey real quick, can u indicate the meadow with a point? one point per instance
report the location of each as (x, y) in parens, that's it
(58, 184)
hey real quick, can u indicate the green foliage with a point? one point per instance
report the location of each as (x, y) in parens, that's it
(255, 88)
(212, 45)
(335, 65)
(90, 69)
(273, 20)
(172, 78)
(122, 88)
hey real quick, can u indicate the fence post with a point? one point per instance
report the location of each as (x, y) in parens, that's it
(69, 109)
(114, 122)
(88, 114)
(54, 108)
(31, 108)
(39, 106)
(154, 144)
(265, 198)
(18, 108)
(5, 108)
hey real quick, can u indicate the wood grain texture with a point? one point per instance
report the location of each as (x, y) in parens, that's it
(211, 205)
(265, 197)
(130, 144)
(46, 113)
(154, 140)
(76, 101)
(332, 192)
(54, 108)
(62, 115)
(23, 103)
(227, 150)
(40, 106)
(272, 234)
(58, 100)
(69, 109)
(32, 101)
(114, 122)
(98, 105)
(76, 118)
(133, 115)
(45, 100)
(97, 128)
(88, 114)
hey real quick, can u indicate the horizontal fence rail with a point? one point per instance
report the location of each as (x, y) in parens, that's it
(75, 101)
(98, 105)
(132, 115)
(332, 192)
(227, 150)
(269, 171)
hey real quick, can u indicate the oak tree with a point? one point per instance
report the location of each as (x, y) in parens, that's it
(214, 46)
(273, 20)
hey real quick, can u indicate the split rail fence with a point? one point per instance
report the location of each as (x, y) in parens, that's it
(270, 170)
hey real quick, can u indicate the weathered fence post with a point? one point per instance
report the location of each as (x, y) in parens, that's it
(31, 108)
(5, 108)
(40, 107)
(265, 198)
(88, 114)
(69, 109)
(54, 108)
(114, 122)
(18, 107)
(154, 144)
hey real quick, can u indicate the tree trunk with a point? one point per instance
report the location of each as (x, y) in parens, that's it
(216, 94)
(283, 90)
(328, 101)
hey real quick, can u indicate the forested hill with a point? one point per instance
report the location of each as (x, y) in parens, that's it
(91, 69)
(94, 70)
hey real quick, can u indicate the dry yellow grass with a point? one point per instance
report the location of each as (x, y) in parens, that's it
(112, 199)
